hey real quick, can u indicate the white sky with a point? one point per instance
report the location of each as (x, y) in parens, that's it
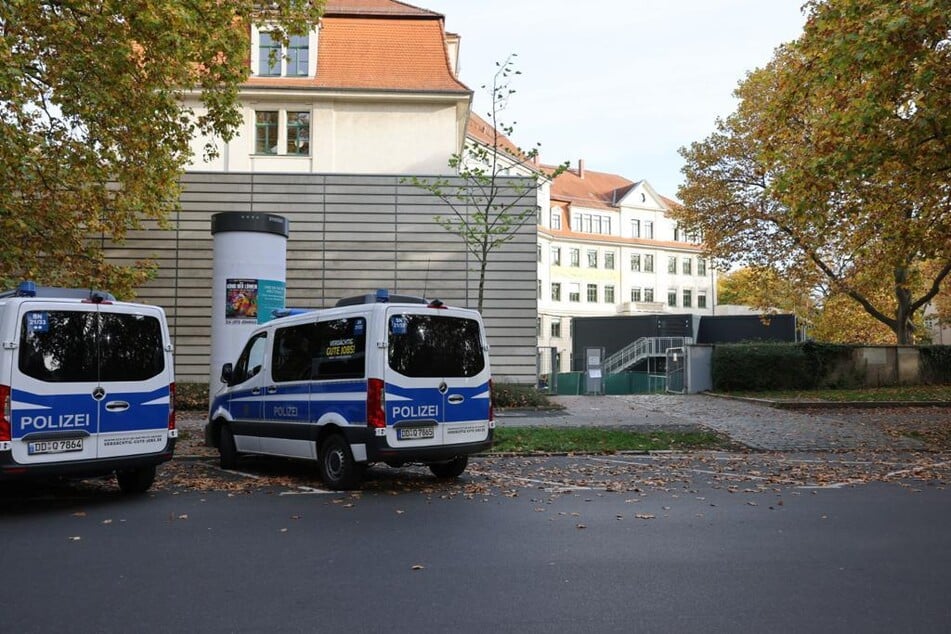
(622, 84)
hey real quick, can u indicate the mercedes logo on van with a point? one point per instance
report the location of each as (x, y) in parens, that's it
(443, 387)
(98, 393)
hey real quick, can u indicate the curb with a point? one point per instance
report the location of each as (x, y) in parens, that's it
(828, 404)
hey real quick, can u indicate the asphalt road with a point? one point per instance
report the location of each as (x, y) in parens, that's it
(561, 544)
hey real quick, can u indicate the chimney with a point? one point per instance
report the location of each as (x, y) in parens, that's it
(580, 168)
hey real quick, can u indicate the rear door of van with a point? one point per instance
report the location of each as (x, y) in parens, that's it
(89, 381)
(436, 377)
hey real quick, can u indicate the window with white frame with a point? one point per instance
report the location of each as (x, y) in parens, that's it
(701, 267)
(687, 298)
(592, 292)
(556, 327)
(538, 252)
(608, 294)
(556, 291)
(672, 265)
(635, 294)
(672, 297)
(592, 258)
(635, 261)
(648, 294)
(274, 59)
(609, 260)
(574, 292)
(701, 299)
(575, 256)
(648, 263)
(648, 229)
(282, 132)
(556, 256)
(539, 294)
(556, 217)
(635, 228)
(687, 266)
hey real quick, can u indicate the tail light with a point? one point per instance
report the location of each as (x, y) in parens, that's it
(376, 414)
(5, 414)
(491, 403)
(171, 407)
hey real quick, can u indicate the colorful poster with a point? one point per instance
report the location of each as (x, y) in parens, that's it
(241, 301)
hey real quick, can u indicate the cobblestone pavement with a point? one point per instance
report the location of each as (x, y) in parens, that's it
(755, 425)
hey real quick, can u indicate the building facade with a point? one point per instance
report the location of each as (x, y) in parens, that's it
(607, 246)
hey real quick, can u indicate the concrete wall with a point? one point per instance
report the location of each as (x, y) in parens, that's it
(349, 235)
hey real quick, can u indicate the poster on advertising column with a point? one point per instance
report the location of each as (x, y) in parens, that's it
(250, 301)
(241, 301)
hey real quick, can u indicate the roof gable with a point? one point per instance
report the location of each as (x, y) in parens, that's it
(643, 195)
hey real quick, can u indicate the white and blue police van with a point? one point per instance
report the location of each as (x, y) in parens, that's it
(87, 387)
(377, 378)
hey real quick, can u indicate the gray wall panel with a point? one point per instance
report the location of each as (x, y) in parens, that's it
(349, 234)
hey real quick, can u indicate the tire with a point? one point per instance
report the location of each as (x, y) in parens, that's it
(226, 449)
(135, 481)
(338, 470)
(451, 469)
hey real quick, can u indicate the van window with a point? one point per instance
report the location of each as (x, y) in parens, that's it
(82, 346)
(341, 353)
(430, 346)
(323, 351)
(251, 359)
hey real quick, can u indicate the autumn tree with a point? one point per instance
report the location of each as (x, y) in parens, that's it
(489, 207)
(836, 165)
(93, 136)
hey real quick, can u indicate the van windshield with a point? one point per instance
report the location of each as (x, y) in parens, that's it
(435, 346)
(82, 346)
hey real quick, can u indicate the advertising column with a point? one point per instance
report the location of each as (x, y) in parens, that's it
(249, 281)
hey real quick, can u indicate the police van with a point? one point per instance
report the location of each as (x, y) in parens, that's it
(86, 387)
(375, 379)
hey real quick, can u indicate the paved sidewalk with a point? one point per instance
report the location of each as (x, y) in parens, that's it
(755, 425)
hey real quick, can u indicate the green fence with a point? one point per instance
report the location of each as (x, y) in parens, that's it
(573, 383)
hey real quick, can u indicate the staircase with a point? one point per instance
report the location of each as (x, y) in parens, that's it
(641, 349)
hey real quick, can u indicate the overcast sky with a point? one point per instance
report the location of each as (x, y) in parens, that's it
(622, 84)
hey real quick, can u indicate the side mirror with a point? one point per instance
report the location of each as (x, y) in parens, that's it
(227, 373)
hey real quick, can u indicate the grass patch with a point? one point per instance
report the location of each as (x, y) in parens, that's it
(599, 440)
(907, 393)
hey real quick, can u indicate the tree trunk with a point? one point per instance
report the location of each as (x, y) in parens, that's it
(904, 329)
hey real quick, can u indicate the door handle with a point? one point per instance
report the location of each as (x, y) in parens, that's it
(272, 389)
(255, 391)
(117, 406)
(455, 399)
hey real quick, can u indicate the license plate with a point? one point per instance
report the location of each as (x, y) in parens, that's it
(415, 433)
(55, 446)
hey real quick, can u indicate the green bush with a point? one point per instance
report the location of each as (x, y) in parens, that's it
(935, 364)
(518, 395)
(761, 366)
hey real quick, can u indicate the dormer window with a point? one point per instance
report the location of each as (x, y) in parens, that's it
(270, 58)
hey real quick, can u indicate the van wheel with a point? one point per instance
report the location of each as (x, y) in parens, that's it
(338, 469)
(134, 481)
(226, 449)
(451, 469)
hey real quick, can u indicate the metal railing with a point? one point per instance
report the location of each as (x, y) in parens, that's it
(641, 349)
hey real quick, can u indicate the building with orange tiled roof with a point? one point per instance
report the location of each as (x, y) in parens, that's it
(606, 246)
(372, 89)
